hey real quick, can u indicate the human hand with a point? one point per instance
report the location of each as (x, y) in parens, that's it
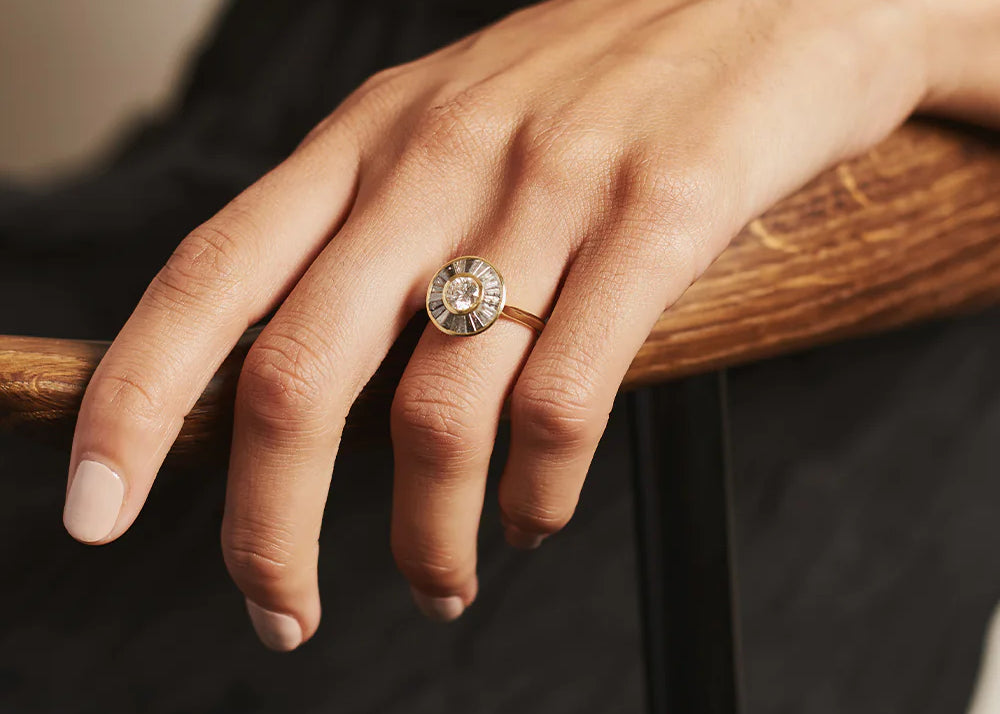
(600, 153)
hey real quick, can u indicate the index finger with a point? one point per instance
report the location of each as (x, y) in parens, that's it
(224, 276)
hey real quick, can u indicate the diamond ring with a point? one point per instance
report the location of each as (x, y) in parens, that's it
(468, 295)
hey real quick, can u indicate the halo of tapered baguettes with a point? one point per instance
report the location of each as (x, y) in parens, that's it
(466, 296)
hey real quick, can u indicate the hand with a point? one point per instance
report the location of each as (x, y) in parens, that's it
(600, 153)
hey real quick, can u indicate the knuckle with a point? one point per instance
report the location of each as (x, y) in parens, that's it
(466, 122)
(126, 392)
(431, 567)
(664, 212)
(564, 167)
(534, 516)
(382, 94)
(204, 268)
(655, 192)
(282, 380)
(437, 417)
(555, 411)
(565, 155)
(382, 83)
(261, 555)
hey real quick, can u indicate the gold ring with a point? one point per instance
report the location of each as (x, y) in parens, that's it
(467, 295)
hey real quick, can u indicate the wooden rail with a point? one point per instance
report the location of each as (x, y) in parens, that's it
(908, 232)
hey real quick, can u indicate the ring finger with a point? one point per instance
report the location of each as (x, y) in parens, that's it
(447, 409)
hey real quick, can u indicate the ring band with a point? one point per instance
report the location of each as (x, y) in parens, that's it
(524, 317)
(467, 295)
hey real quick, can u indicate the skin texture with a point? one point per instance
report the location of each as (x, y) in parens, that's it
(601, 153)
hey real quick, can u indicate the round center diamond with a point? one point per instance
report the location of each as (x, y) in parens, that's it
(463, 293)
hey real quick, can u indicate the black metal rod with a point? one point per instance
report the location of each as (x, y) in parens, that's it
(684, 518)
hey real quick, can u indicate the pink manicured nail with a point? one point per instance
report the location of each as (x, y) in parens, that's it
(439, 609)
(277, 631)
(93, 502)
(522, 539)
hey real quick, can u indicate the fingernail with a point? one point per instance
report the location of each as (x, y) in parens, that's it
(277, 631)
(93, 502)
(439, 609)
(522, 539)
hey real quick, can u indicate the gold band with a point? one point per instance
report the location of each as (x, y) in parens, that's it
(524, 317)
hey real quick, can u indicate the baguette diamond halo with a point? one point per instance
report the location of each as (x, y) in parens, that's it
(466, 296)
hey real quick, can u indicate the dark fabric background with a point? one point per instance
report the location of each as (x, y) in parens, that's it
(866, 474)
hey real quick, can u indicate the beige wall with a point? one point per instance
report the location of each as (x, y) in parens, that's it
(72, 72)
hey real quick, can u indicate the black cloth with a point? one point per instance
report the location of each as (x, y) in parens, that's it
(866, 474)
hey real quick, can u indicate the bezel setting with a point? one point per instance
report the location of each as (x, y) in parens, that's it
(463, 281)
(490, 300)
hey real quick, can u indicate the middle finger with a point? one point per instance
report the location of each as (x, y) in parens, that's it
(301, 377)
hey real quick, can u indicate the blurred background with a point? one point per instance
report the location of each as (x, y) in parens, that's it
(75, 74)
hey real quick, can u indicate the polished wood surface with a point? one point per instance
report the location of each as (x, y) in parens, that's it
(908, 232)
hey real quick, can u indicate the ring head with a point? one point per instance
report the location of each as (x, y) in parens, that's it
(465, 296)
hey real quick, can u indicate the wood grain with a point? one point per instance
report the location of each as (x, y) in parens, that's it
(908, 232)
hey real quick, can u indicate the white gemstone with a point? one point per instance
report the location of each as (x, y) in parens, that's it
(463, 293)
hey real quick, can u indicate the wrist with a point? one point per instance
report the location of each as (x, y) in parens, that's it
(888, 72)
(962, 58)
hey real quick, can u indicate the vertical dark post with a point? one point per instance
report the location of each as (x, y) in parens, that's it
(683, 490)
